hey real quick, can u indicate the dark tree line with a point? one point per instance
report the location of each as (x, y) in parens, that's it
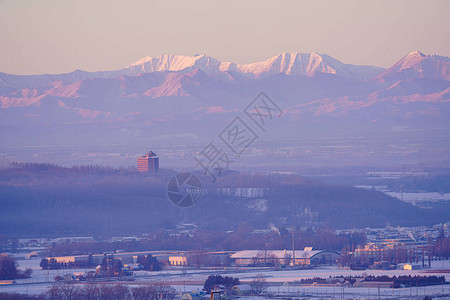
(9, 270)
(409, 280)
(16, 296)
(217, 280)
(48, 167)
(43, 199)
(53, 264)
(149, 262)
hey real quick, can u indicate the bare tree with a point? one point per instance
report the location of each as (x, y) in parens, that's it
(198, 259)
(266, 258)
(143, 292)
(69, 291)
(259, 284)
(164, 291)
(64, 291)
(155, 291)
(287, 259)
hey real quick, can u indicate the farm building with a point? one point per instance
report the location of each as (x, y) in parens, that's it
(284, 257)
(242, 289)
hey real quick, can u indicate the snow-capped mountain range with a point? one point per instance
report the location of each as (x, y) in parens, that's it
(287, 63)
(195, 96)
(307, 64)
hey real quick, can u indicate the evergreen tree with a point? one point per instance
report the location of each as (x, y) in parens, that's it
(8, 267)
(44, 264)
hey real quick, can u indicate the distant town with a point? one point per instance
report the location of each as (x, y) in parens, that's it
(414, 261)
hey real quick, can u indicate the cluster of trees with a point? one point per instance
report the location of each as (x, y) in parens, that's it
(218, 280)
(111, 266)
(441, 247)
(6, 243)
(48, 167)
(16, 296)
(85, 248)
(9, 270)
(432, 183)
(53, 264)
(350, 256)
(409, 280)
(44, 199)
(398, 281)
(350, 279)
(265, 258)
(149, 262)
(202, 258)
(68, 291)
(437, 250)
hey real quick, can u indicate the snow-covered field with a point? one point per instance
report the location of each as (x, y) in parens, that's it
(280, 281)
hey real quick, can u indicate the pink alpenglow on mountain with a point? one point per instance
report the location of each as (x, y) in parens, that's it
(196, 96)
(418, 65)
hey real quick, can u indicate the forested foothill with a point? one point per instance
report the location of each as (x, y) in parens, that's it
(50, 200)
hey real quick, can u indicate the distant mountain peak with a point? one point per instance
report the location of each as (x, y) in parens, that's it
(141, 61)
(173, 62)
(416, 53)
(417, 65)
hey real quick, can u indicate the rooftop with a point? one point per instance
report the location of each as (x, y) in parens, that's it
(150, 154)
(280, 254)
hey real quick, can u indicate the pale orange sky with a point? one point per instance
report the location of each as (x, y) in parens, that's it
(61, 36)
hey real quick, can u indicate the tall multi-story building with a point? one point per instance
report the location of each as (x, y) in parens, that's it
(148, 163)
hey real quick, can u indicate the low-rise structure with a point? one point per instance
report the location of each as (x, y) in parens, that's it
(242, 289)
(411, 267)
(178, 260)
(284, 257)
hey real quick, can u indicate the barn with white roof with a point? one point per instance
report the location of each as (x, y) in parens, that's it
(284, 257)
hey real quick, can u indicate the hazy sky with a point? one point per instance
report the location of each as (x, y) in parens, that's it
(61, 36)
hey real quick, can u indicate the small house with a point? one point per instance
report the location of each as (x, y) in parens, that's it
(242, 289)
(411, 267)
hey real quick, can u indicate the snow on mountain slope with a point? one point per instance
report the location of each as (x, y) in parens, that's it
(378, 106)
(308, 64)
(290, 64)
(417, 65)
(292, 77)
(413, 65)
(295, 63)
(167, 62)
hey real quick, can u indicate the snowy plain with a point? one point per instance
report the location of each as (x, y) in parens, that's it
(282, 282)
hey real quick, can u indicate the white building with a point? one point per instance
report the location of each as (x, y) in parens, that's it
(283, 257)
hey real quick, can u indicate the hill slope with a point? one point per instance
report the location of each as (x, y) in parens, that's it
(38, 199)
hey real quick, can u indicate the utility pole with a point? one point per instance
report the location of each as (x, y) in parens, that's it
(293, 246)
